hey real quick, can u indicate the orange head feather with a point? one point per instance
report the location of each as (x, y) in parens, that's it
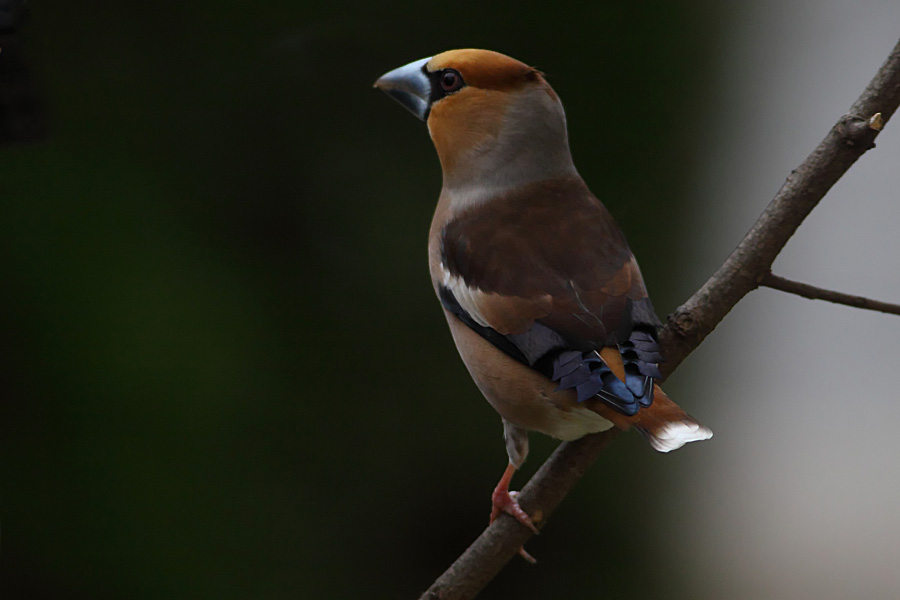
(493, 119)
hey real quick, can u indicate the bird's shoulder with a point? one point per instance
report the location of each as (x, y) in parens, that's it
(542, 238)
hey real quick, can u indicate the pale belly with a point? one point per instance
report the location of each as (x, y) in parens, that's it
(521, 395)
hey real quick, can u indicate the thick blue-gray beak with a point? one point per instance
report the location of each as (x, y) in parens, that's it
(408, 85)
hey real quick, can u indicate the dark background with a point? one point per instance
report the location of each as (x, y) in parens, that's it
(223, 371)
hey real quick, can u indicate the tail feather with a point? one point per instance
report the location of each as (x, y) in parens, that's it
(666, 426)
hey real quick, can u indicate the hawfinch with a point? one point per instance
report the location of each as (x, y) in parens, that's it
(543, 296)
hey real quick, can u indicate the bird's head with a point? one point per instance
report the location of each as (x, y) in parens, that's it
(494, 121)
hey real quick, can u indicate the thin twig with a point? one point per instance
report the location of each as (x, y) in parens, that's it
(853, 134)
(850, 137)
(812, 292)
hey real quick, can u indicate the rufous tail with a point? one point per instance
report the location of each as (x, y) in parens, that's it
(665, 425)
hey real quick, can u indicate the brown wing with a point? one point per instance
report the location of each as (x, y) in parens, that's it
(549, 254)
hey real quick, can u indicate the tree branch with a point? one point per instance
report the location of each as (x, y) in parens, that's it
(686, 328)
(775, 282)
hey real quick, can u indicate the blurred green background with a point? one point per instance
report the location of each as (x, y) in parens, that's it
(224, 373)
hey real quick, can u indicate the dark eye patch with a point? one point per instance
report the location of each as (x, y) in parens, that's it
(443, 83)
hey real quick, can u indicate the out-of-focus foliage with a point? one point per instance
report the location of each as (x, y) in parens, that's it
(223, 371)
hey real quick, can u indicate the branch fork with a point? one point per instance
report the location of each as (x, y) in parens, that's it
(748, 267)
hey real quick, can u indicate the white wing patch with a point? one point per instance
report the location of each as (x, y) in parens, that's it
(465, 295)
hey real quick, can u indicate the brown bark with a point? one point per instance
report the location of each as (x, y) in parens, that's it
(744, 270)
(775, 282)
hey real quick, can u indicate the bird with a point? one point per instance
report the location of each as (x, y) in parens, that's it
(542, 294)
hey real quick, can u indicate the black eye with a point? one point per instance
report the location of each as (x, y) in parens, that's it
(451, 80)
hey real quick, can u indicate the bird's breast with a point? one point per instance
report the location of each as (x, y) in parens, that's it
(520, 394)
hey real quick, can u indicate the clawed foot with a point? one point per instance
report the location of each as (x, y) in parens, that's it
(505, 501)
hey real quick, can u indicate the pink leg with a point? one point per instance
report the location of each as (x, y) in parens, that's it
(505, 501)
